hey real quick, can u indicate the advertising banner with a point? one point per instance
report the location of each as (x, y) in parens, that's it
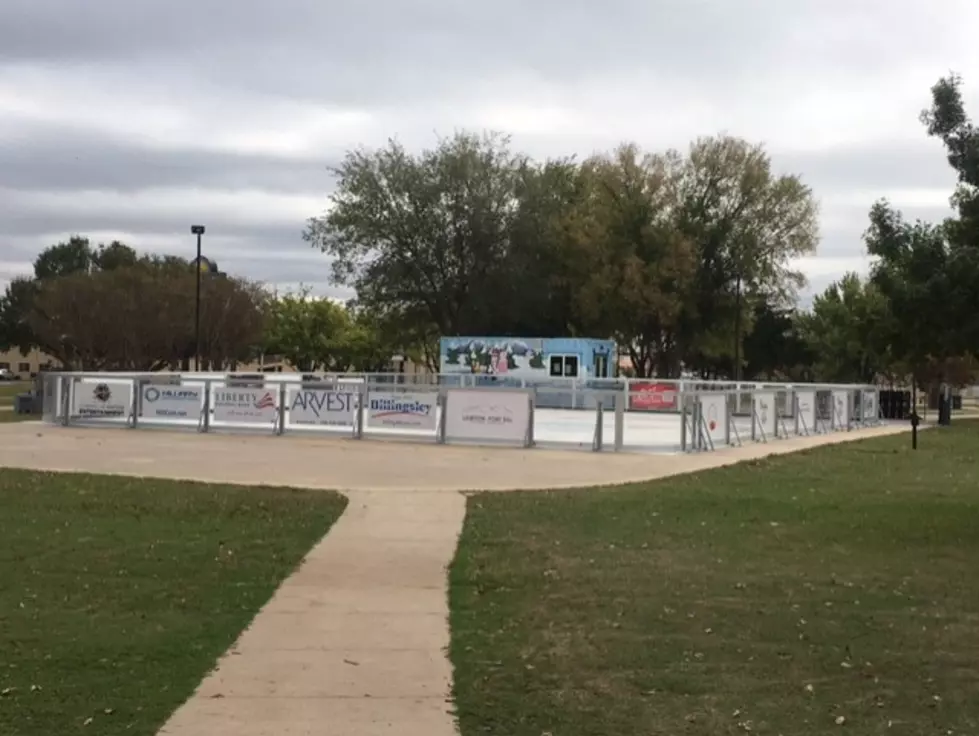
(841, 409)
(244, 404)
(171, 402)
(322, 408)
(714, 411)
(102, 400)
(652, 396)
(487, 415)
(765, 413)
(806, 407)
(402, 410)
(869, 408)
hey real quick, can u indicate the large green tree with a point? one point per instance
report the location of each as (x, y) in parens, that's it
(849, 332)
(467, 238)
(74, 256)
(106, 307)
(775, 349)
(632, 264)
(141, 317)
(315, 334)
(930, 273)
(747, 224)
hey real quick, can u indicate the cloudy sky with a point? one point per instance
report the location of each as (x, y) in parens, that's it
(133, 119)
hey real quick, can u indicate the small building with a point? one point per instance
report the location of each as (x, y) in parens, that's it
(533, 358)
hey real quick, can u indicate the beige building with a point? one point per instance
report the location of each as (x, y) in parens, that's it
(26, 366)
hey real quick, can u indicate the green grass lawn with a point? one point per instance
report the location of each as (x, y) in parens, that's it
(7, 392)
(9, 389)
(835, 591)
(117, 595)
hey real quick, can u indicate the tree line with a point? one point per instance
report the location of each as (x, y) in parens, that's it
(684, 258)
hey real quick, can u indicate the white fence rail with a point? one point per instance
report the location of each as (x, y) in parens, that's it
(624, 415)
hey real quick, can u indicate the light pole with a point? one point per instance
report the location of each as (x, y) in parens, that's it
(737, 328)
(197, 230)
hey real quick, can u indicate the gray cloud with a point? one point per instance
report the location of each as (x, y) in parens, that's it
(61, 157)
(130, 118)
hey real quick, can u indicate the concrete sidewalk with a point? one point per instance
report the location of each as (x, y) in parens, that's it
(352, 644)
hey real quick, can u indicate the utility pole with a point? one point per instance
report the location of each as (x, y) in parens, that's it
(197, 230)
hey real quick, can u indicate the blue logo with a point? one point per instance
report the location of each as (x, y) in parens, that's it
(154, 394)
(396, 407)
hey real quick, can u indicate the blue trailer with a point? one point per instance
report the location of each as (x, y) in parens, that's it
(539, 361)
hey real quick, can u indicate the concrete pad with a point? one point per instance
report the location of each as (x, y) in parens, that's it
(353, 643)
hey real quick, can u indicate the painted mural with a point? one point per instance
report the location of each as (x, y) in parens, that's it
(519, 357)
(491, 356)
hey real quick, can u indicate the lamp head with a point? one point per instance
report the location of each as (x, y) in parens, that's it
(197, 229)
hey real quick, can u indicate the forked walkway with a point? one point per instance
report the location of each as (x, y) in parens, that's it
(353, 643)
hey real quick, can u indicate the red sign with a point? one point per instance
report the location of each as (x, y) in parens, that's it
(661, 396)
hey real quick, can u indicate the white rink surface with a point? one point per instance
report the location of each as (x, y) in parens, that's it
(558, 428)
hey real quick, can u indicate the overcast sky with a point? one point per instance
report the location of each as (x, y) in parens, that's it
(133, 119)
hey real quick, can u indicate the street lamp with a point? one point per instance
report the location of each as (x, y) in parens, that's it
(197, 230)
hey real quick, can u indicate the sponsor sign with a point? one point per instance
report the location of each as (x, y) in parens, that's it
(765, 414)
(244, 404)
(487, 415)
(172, 402)
(869, 407)
(713, 409)
(652, 396)
(806, 408)
(841, 409)
(102, 400)
(402, 411)
(322, 408)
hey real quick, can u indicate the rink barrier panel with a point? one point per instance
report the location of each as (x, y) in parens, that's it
(460, 410)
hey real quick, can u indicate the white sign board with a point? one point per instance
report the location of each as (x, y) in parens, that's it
(806, 411)
(713, 409)
(102, 400)
(487, 415)
(322, 407)
(244, 404)
(765, 413)
(402, 410)
(171, 402)
(869, 411)
(841, 409)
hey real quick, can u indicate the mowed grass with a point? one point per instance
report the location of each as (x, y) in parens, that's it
(117, 595)
(8, 390)
(829, 592)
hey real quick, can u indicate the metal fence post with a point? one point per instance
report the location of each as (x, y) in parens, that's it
(206, 419)
(137, 402)
(695, 425)
(620, 404)
(66, 398)
(444, 400)
(727, 418)
(281, 418)
(683, 423)
(363, 396)
(596, 444)
(532, 398)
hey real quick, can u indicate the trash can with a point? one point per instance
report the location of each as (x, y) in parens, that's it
(24, 403)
